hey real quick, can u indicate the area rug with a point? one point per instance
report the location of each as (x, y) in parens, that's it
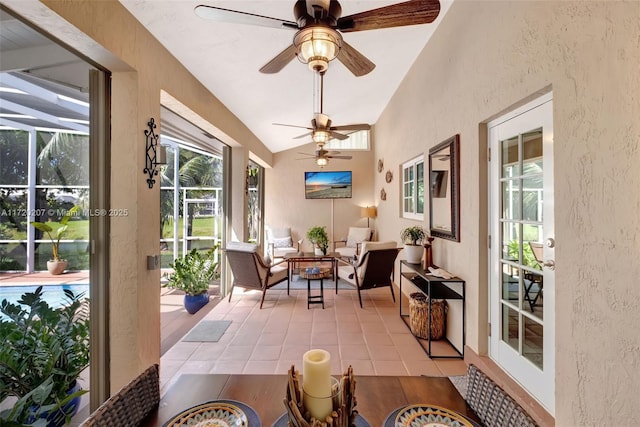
(207, 331)
(301, 284)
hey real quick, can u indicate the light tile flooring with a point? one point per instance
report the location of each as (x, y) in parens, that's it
(373, 339)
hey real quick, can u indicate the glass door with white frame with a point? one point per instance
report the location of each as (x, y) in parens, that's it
(522, 247)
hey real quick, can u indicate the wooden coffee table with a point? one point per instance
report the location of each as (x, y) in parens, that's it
(308, 259)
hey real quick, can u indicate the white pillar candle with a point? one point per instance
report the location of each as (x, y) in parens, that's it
(316, 383)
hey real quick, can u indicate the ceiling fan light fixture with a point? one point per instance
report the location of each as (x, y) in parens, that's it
(316, 46)
(320, 136)
(322, 161)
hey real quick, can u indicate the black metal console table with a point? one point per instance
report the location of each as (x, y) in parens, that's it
(435, 288)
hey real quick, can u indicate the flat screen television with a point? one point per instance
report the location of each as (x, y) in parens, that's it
(328, 185)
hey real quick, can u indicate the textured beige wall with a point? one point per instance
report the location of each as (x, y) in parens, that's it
(486, 57)
(285, 204)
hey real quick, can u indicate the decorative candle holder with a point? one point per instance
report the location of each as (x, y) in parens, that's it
(332, 400)
(342, 398)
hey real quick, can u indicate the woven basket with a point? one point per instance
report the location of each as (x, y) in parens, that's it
(418, 312)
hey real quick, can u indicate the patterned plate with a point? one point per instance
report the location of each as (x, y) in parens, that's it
(426, 416)
(217, 413)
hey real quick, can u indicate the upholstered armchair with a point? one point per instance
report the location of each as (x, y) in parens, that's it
(350, 247)
(373, 269)
(250, 271)
(280, 242)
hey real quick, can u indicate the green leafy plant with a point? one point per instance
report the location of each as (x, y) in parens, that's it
(317, 235)
(528, 258)
(56, 235)
(412, 235)
(194, 272)
(43, 352)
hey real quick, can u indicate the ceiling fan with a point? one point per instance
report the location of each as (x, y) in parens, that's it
(322, 156)
(319, 25)
(322, 131)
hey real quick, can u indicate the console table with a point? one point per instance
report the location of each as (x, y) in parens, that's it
(435, 288)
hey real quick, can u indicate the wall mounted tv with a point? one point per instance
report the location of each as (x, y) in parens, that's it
(328, 185)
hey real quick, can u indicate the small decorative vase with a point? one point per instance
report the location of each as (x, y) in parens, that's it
(193, 303)
(428, 254)
(318, 252)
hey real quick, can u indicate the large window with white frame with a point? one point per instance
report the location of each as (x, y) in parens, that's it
(413, 188)
(356, 140)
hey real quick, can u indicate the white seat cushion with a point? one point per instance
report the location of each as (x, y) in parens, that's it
(371, 246)
(278, 273)
(242, 246)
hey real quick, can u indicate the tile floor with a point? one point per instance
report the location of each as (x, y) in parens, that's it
(373, 339)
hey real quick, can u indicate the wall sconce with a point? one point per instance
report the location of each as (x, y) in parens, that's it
(156, 155)
(368, 212)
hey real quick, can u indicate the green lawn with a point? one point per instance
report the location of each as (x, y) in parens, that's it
(202, 227)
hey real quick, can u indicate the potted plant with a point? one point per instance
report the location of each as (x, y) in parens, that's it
(193, 274)
(317, 235)
(412, 238)
(56, 265)
(44, 350)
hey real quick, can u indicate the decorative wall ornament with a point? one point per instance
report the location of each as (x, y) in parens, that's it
(156, 154)
(383, 194)
(380, 165)
(389, 176)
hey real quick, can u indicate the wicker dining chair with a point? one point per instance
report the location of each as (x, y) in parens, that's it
(492, 404)
(131, 404)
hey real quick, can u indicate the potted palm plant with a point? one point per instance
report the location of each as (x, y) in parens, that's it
(193, 274)
(317, 235)
(412, 238)
(43, 352)
(56, 265)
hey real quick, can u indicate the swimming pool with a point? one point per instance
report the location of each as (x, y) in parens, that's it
(52, 294)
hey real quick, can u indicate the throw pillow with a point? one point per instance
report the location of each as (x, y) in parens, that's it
(357, 235)
(284, 242)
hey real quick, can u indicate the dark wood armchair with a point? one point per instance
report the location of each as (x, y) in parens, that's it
(250, 271)
(374, 268)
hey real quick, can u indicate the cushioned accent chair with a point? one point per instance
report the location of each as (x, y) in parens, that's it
(131, 404)
(353, 242)
(250, 270)
(373, 269)
(280, 242)
(492, 404)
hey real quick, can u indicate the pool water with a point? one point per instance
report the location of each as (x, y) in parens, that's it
(52, 294)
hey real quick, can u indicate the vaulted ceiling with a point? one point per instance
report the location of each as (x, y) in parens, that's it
(226, 58)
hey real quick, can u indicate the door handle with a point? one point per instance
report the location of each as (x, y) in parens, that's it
(550, 264)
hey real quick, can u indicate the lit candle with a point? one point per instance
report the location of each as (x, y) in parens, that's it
(316, 383)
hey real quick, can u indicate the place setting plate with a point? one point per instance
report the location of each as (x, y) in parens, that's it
(216, 413)
(422, 415)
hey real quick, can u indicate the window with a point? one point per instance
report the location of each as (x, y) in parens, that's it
(413, 188)
(357, 140)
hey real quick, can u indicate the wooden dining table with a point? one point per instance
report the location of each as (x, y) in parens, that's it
(377, 396)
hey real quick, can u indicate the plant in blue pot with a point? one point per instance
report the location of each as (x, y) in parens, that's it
(193, 274)
(43, 353)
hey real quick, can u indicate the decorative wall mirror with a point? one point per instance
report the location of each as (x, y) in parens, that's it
(444, 189)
